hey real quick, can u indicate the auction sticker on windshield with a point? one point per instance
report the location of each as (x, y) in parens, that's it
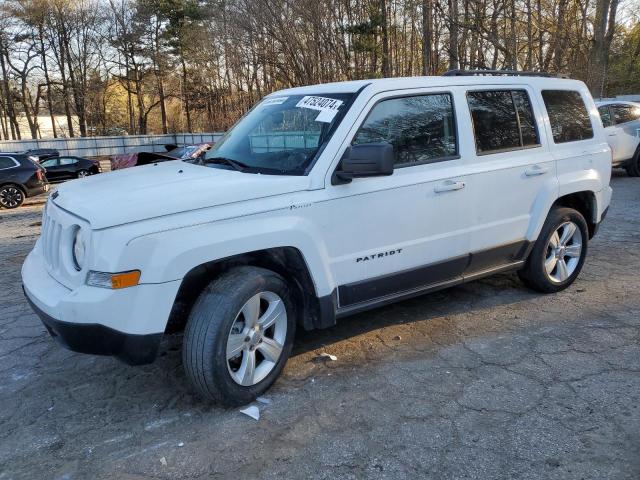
(328, 107)
(274, 101)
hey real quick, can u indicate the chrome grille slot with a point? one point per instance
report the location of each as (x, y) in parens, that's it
(55, 258)
(51, 231)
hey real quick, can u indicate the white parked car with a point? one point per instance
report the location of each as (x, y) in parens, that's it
(323, 201)
(621, 122)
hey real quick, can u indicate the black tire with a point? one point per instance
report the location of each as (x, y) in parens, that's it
(534, 273)
(633, 167)
(82, 173)
(209, 326)
(11, 196)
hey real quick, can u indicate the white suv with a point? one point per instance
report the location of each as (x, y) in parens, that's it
(622, 126)
(323, 201)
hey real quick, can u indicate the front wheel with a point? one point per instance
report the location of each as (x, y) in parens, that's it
(11, 196)
(559, 253)
(239, 335)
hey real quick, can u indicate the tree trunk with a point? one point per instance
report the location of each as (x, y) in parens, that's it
(43, 56)
(386, 68)
(185, 94)
(453, 35)
(427, 37)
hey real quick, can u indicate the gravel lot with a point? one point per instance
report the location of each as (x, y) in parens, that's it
(484, 381)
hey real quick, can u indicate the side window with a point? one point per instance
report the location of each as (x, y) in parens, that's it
(52, 162)
(502, 120)
(421, 128)
(67, 161)
(568, 116)
(625, 113)
(6, 162)
(605, 115)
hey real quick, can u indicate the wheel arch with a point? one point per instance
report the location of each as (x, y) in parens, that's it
(289, 262)
(584, 202)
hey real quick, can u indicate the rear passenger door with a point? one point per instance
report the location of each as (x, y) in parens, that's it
(511, 173)
(612, 133)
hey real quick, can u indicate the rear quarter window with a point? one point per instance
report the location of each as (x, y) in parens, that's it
(568, 116)
(6, 162)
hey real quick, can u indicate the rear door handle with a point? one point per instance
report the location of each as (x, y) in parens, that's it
(449, 186)
(536, 170)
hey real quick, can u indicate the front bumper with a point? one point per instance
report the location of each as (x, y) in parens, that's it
(100, 340)
(127, 323)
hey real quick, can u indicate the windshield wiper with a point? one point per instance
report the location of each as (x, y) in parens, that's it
(239, 166)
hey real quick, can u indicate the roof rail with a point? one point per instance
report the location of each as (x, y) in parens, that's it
(465, 73)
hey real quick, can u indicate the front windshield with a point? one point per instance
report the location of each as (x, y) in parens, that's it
(280, 135)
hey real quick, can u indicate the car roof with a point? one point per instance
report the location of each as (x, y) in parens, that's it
(600, 103)
(384, 84)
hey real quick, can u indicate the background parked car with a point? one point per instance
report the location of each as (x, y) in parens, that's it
(174, 152)
(20, 178)
(41, 154)
(67, 167)
(622, 126)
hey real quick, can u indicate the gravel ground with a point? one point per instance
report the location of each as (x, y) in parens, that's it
(484, 381)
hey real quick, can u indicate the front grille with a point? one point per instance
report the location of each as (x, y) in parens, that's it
(51, 231)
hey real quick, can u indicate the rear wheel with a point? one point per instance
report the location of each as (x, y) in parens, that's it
(82, 173)
(559, 253)
(11, 196)
(239, 335)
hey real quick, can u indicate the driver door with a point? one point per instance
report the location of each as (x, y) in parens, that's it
(395, 235)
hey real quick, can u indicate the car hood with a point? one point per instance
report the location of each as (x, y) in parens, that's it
(166, 188)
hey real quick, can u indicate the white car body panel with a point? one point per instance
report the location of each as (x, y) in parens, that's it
(623, 138)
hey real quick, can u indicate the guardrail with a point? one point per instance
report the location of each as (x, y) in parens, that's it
(104, 146)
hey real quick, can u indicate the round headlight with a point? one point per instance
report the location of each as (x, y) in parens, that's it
(78, 250)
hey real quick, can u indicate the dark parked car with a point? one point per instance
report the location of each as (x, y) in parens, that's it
(189, 153)
(66, 167)
(20, 178)
(41, 154)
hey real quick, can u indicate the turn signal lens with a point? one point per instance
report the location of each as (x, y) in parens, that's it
(126, 279)
(114, 281)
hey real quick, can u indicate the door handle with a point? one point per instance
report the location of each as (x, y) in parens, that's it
(536, 170)
(449, 186)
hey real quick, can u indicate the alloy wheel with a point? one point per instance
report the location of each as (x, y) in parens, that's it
(256, 338)
(563, 252)
(11, 197)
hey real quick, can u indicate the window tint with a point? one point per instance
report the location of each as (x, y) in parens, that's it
(421, 128)
(525, 116)
(568, 116)
(502, 120)
(67, 161)
(52, 162)
(605, 115)
(6, 162)
(625, 113)
(284, 131)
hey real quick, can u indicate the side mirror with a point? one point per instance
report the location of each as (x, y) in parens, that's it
(365, 160)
